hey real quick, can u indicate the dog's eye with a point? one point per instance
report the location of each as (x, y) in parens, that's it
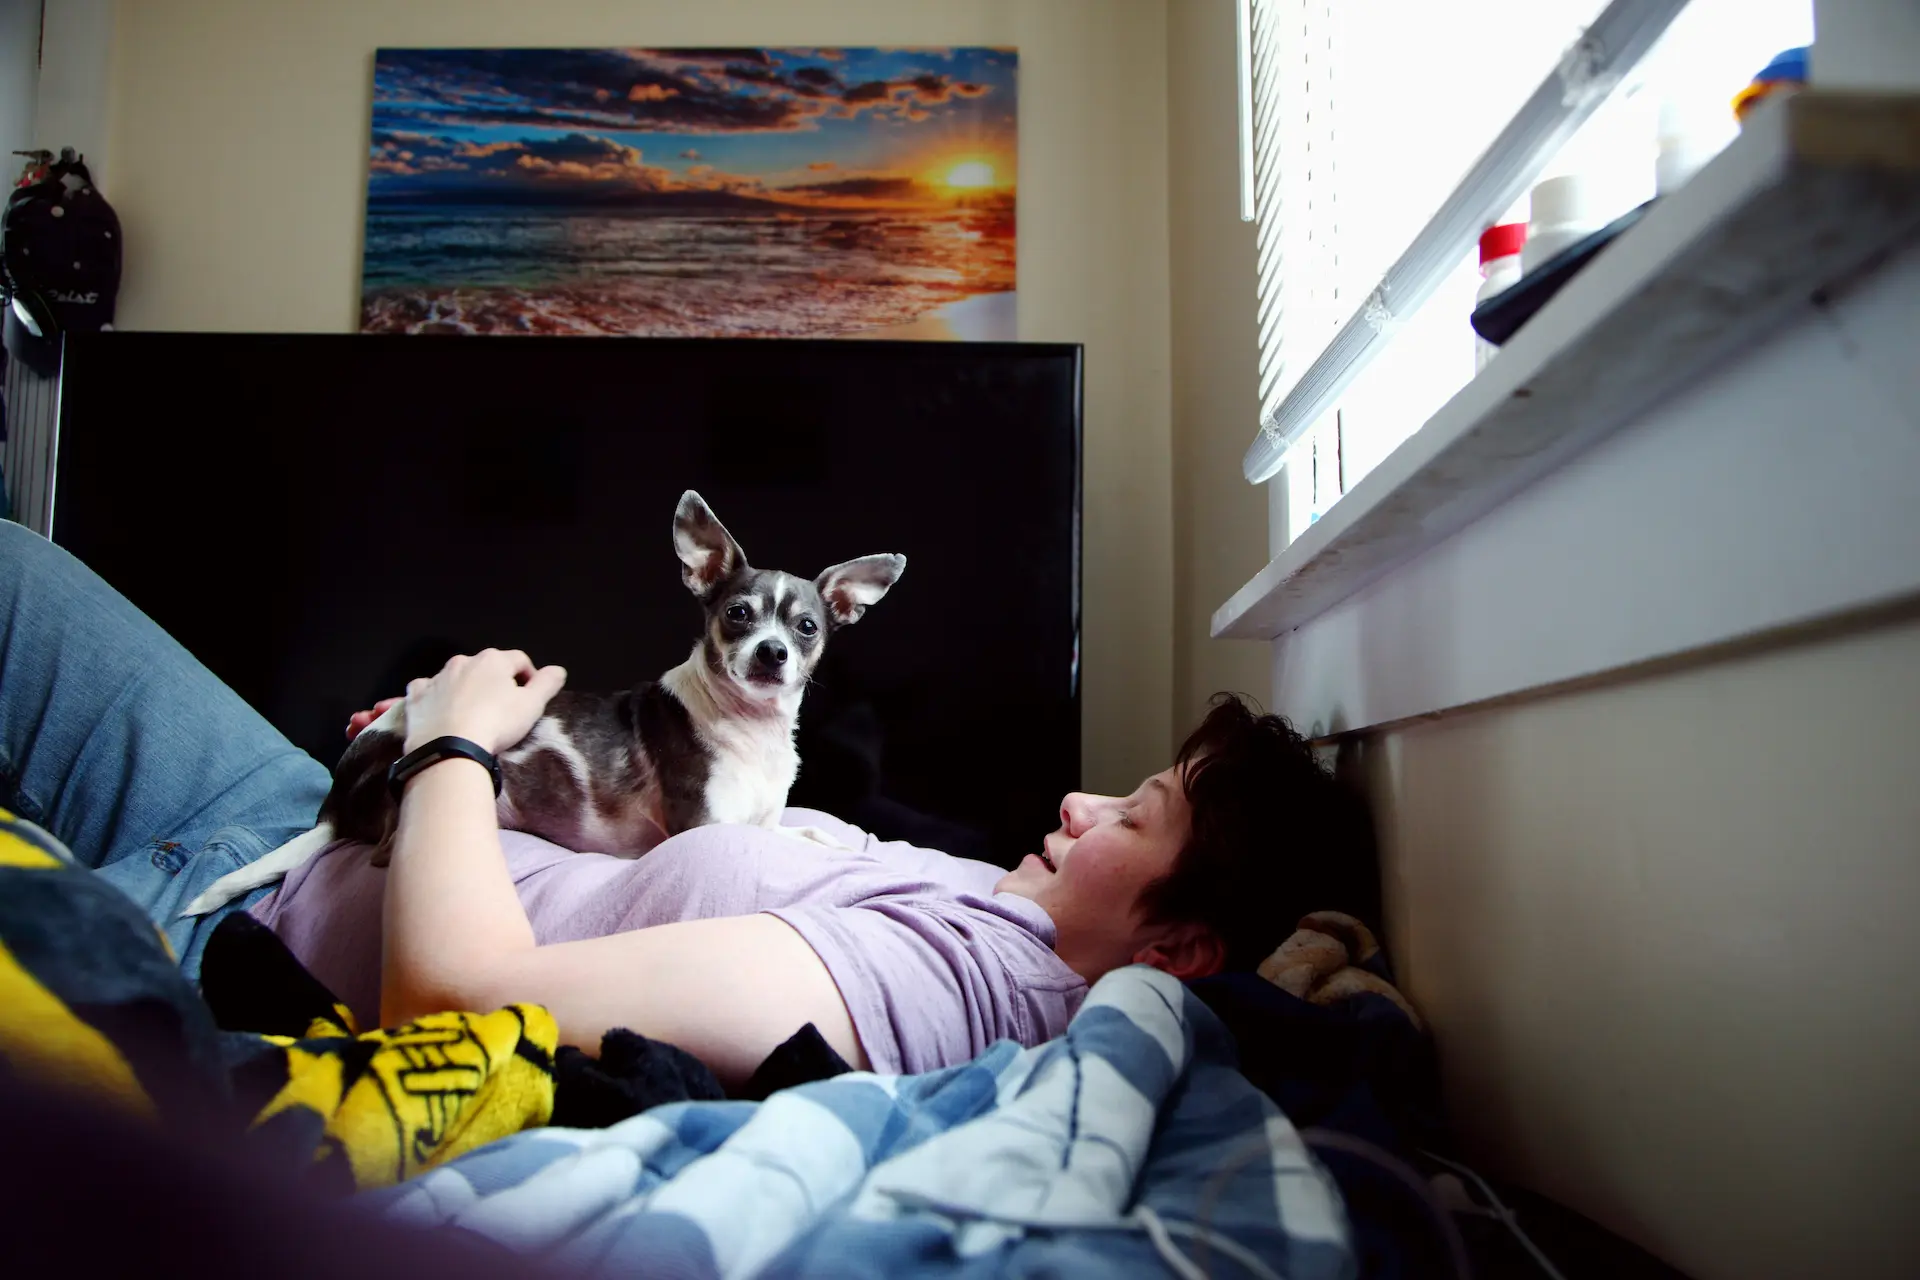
(738, 613)
(806, 626)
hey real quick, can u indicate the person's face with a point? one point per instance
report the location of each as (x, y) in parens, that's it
(1090, 874)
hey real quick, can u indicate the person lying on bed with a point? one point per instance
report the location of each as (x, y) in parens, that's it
(723, 940)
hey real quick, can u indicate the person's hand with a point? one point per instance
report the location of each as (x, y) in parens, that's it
(492, 698)
(359, 720)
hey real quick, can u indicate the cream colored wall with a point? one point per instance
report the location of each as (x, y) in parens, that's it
(1219, 521)
(1665, 931)
(237, 162)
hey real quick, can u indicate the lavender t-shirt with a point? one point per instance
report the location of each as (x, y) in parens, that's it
(933, 964)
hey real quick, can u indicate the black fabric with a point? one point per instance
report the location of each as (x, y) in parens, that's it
(631, 1075)
(803, 1058)
(1358, 1067)
(59, 260)
(252, 982)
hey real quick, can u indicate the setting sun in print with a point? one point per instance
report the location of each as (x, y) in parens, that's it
(970, 173)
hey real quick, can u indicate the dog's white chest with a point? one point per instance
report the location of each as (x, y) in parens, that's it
(748, 774)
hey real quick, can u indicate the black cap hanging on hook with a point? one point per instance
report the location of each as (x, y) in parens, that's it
(59, 258)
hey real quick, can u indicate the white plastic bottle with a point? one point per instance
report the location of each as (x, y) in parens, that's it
(1499, 271)
(1566, 210)
(1687, 136)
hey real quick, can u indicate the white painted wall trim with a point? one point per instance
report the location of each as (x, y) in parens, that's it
(1781, 489)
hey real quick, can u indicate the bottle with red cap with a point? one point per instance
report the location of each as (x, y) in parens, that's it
(1499, 271)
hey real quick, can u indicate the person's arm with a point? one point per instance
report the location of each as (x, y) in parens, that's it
(728, 991)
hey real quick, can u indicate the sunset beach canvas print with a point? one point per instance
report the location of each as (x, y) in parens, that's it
(693, 192)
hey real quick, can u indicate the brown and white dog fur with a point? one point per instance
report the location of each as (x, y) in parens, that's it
(710, 741)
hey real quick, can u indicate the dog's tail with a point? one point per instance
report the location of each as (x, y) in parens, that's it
(263, 870)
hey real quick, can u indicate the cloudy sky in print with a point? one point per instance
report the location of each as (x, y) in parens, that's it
(682, 128)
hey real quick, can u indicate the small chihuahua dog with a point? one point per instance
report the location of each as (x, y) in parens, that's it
(710, 741)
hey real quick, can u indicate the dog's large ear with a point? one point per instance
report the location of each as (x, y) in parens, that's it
(708, 554)
(849, 588)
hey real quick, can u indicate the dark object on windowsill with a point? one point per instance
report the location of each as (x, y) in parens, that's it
(1500, 317)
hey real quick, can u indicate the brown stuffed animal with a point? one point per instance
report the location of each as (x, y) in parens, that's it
(1319, 963)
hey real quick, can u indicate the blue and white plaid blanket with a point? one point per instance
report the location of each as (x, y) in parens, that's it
(1128, 1146)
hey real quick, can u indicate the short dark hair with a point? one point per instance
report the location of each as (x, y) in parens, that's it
(1274, 837)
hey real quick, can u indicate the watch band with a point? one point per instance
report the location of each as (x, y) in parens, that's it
(439, 749)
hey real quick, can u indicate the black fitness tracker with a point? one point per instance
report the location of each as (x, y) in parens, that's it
(433, 753)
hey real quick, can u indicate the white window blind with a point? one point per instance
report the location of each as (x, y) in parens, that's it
(1367, 114)
(1370, 117)
(1293, 98)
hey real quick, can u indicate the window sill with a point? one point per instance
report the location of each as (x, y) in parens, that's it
(1817, 188)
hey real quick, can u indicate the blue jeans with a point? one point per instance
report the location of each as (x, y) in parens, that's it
(117, 741)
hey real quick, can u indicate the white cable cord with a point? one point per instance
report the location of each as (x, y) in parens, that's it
(1177, 1262)
(1230, 1247)
(1505, 1215)
(1161, 1232)
(1409, 1177)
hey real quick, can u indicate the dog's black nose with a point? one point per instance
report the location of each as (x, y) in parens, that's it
(771, 653)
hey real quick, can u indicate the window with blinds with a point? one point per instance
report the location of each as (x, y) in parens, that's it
(1382, 136)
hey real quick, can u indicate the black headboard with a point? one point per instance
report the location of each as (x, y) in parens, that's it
(320, 517)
